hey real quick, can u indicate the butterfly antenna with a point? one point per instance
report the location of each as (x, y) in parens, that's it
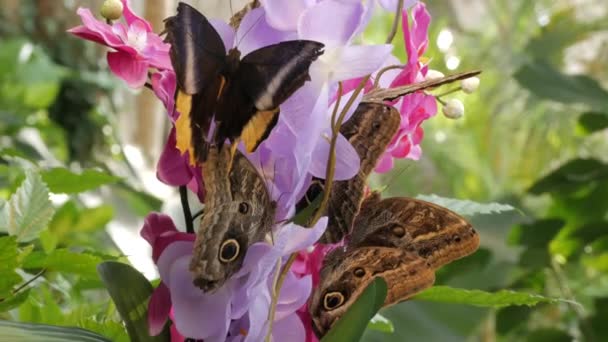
(249, 29)
(394, 177)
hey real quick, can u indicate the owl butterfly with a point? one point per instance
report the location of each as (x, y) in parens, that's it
(238, 212)
(224, 96)
(369, 130)
(402, 240)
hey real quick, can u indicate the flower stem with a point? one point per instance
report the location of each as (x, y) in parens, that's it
(448, 92)
(393, 32)
(183, 195)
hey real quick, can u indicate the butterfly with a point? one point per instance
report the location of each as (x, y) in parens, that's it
(238, 212)
(226, 96)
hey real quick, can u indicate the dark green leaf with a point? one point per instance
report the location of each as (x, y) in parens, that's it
(303, 217)
(9, 261)
(351, 326)
(62, 180)
(498, 299)
(592, 122)
(549, 335)
(466, 207)
(28, 332)
(130, 291)
(571, 176)
(546, 82)
(65, 261)
(13, 301)
(512, 317)
(536, 234)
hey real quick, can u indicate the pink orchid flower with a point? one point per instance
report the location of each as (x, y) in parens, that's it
(137, 47)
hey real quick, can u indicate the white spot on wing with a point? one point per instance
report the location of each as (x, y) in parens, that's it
(264, 101)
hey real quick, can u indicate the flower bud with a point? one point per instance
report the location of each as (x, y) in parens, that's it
(470, 84)
(433, 75)
(111, 9)
(453, 109)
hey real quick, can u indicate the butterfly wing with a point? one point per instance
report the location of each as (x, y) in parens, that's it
(369, 130)
(197, 50)
(238, 212)
(266, 78)
(436, 233)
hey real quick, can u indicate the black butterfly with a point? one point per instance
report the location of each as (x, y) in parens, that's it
(240, 96)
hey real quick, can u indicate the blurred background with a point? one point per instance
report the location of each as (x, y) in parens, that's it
(533, 136)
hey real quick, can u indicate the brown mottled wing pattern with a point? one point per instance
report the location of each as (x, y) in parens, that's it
(369, 130)
(237, 207)
(435, 233)
(348, 273)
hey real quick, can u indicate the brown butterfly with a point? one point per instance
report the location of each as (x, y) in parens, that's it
(369, 130)
(402, 240)
(238, 212)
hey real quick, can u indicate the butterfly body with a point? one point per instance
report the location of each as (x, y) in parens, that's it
(226, 96)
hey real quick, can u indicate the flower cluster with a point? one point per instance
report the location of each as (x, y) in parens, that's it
(296, 151)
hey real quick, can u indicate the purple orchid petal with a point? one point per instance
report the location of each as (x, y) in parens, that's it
(385, 164)
(331, 22)
(357, 61)
(225, 31)
(95, 30)
(416, 37)
(167, 259)
(391, 5)
(347, 159)
(294, 294)
(298, 237)
(197, 314)
(132, 18)
(284, 15)
(258, 313)
(289, 328)
(173, 168)
(131, 70)
(255, 32)
(158, 309)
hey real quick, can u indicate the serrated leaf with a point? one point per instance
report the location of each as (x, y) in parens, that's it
(381, 323)
(130, 291)
(571, 176)
(466, 207)
(502, 298)
(546, 82)
(65, 261)
(28, 332)
(62, 180)
(29, 209)
(352, 324)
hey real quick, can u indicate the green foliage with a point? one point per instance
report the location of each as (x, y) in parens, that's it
(381, 323)
(446, 294)
(130, 291)
(29, 210)
(13, 331)
(592, 122)
(62, 180)
(466, 207)
(352, 324)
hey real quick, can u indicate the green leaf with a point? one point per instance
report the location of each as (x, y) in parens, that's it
(351, 326)
(29, 209)
(571, 176)
(9, 261)
(381, 323)
(130, 291)
(502, 298)
(536, 234)
(549, 335)
(546, 82)
(28, 332)
(466, 207)
(92, 219)
(64, 261)
(592, 122)
(303, 217)
(62, 180)
(14, 301)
